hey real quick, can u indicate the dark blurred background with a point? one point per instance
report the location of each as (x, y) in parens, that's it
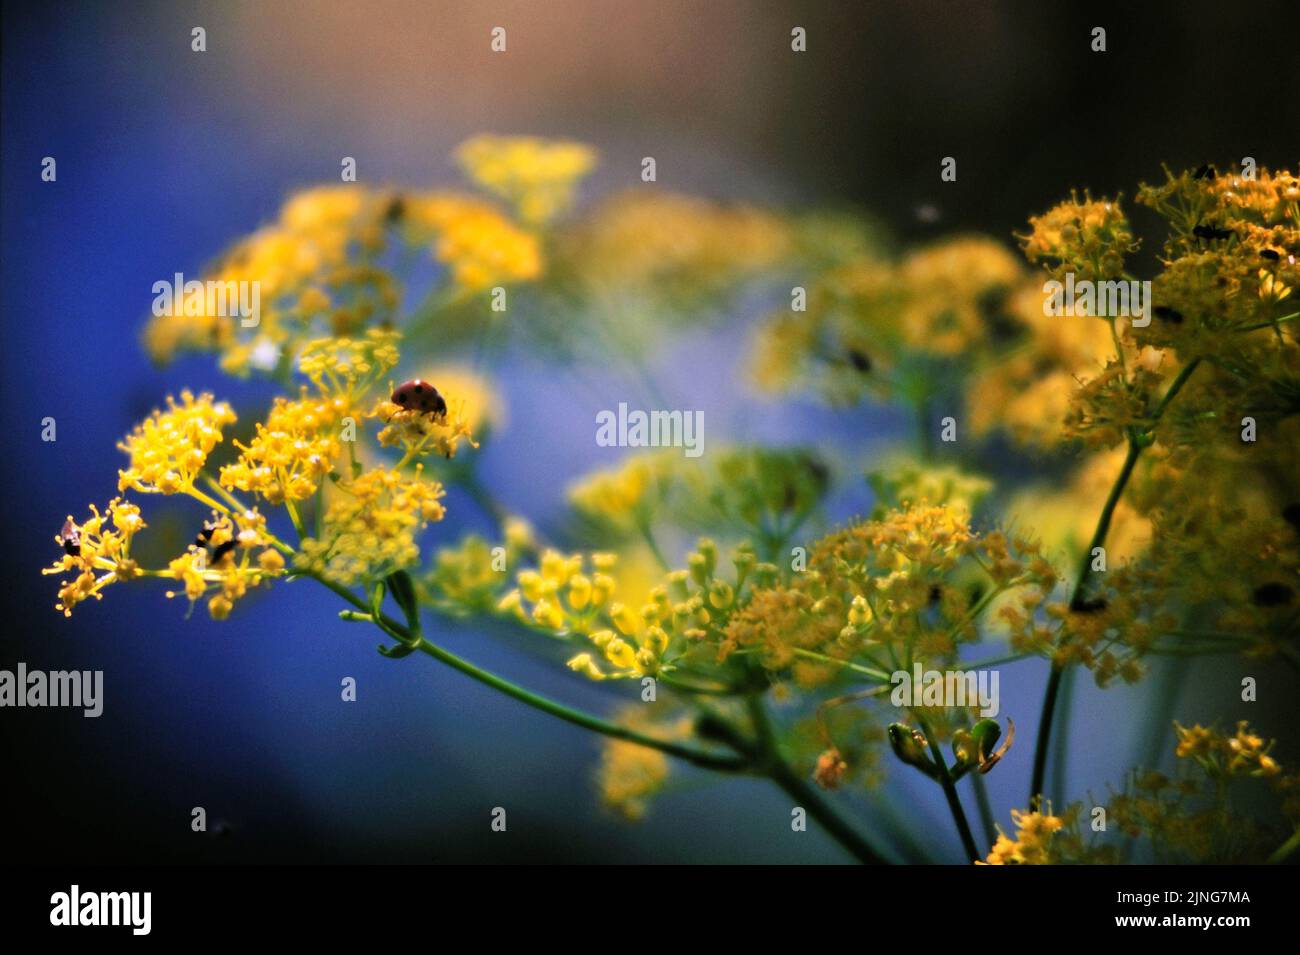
(165, 155)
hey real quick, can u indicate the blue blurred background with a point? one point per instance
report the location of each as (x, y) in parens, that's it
(165, 156)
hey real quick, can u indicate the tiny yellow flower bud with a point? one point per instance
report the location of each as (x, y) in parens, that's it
(625, 618)
(721, 594)
(512, 603)
(584, 664)
(219, 607)
(620, 653)
(656, 640)
(270, 561)
(549, 614)
(532, 584)
(579, 591)
(860, 611)
(699, 569)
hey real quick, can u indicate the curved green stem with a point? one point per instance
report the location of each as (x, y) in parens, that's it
(536, 700)
(1285, 850)
(804, 793)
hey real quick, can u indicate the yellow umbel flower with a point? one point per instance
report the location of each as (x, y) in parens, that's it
(1245, 753)
(1085, 236)
(236, 556)
(1033, 842)
(419, 433)
(348, 367)
(630, 774)
(660, 243)
(94, 546)
(624, 496)
(479, 245)
(538, 177)
(169, 448)
(370, 529)
(291, 452)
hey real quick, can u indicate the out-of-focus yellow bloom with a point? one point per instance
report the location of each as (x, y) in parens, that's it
(666, 244)
(1063, 519)
(630, 774)
(479, 245)
(1027, 391)
(370, 528)
(169, 448)
(297, 264)
(94, 546)
(876, 327)
(903, 481)
(348, 367)
(1245, 753)
(624, 496)
(946, 290)
(536, 176)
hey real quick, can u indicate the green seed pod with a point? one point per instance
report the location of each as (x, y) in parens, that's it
(909, 746)
(986, 734)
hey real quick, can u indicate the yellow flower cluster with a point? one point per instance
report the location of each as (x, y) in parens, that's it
(1244, 753)
(876, 327)
(469, 578)
(1027, 390)
(347, 368)
(299, 265)
(169, 448)
(631, 774)
(1085, 236)
(537, 177)
(669, 246)
(236, 555)
(884, 590)
(903, 481)
(479, 246)
(1191, 816)
(625, 496)
(1033, 842)
(565, 597)
(96, 554)
(419, 433)
(292, 452)
(370, 529)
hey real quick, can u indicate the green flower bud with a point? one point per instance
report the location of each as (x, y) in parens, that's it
(909, 745)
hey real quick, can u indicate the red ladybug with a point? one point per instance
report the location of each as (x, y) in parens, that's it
(417, 395)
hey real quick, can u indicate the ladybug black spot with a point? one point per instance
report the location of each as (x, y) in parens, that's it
(1273, 594)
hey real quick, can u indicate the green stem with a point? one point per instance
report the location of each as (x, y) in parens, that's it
(1052, 692)
(644, 526)
(805, 795)
(985, 807)
(537, 700)
(1285, 850)
(950, 792)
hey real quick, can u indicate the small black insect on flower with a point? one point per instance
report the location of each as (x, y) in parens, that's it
(70, 538)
